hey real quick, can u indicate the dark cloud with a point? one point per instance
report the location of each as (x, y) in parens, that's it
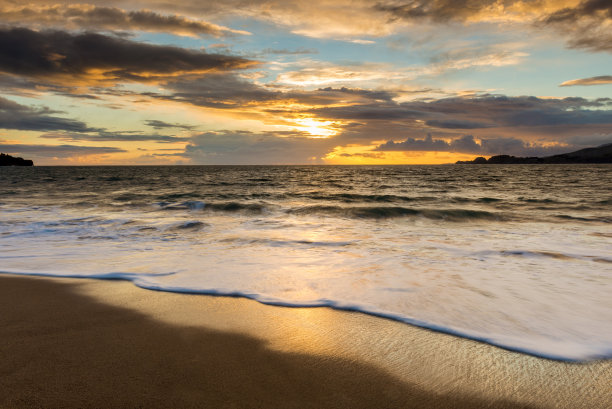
(56, 151)
(364, 93)
(435, 10)
(23, 118)
(375, 115)
(32, 88)
(595, 40)
(157, 124)
(589, 8)
(587, 25)
(467, 144)
(480, 112)
(12, 84)
(456, 124)
(590, 140)
(217, 91)
(334, 96)
(245, 148)
(373, 111)
(109, 18)
(104, 135)
(600, 80)
(460, 10)
(368, 155)
(229, 91)
(69, 58)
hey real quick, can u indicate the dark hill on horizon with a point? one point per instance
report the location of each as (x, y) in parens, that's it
(600, 154)
(8, 160)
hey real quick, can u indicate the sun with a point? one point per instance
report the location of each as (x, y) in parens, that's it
(316, 128)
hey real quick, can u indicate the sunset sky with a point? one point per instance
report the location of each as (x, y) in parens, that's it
(299, 82)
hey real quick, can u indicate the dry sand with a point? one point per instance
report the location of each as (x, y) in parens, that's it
(86, 343)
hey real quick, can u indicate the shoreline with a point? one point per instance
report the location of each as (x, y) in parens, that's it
(91, 343)
(332, 306)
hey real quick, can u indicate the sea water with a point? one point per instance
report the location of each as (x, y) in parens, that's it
(518, 256)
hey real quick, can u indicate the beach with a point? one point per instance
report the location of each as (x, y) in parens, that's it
(108, 343)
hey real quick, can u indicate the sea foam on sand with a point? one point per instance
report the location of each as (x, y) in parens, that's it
(80, 342)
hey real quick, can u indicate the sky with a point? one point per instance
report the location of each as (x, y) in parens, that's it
(302, 81)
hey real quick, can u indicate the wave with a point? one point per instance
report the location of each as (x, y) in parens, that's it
(111, 179)
(472, 200)
(384, 212)
(584, 219)
(129, 197)
(237, 207)
(544, 254)
(174, 196)
(220, 206)
(356, 197)
(260, 180)
(568, 351)
(286, 243)
(554, 255)
(190, 225)
(533, 200)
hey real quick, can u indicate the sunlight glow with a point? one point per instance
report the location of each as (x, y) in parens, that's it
(316, 128)
(366, 155)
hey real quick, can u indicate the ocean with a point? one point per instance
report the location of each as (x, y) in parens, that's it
(518, 256)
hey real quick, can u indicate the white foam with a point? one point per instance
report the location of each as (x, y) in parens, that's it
(475, 281)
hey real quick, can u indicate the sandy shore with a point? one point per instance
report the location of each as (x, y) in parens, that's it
(87, 343)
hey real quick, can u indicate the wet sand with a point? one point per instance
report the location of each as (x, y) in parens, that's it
(87, 343)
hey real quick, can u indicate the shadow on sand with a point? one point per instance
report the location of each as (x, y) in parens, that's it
(63, 349)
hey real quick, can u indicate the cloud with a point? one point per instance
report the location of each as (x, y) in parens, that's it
(19, 117)
(23, 118)
(56, 151)
(590, 140)
(470, 57)
(217, 90)
(90, 17)
(30, 87)
(367, 155)
(434, 10)
(467, 144)
(587, 8)
(357, 21)
(67, 58)
(457, 124)
(157, 124)
(600, 80)
(104, 135)
(281, 51)
(485, 111)
(355, 114)
(316, 18)
(317, 73)
(361, 41)
(376, 95)
(245, 148)
(386, 111)
(229, 92)
(588, 25)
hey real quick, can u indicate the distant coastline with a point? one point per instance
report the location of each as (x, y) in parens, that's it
(600, 154)
(8, 160)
